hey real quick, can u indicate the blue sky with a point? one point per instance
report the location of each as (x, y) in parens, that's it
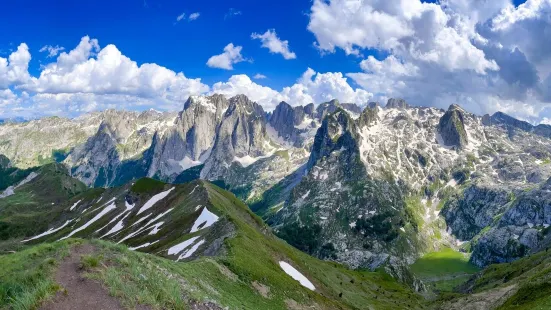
(145, 32)
(485, 55)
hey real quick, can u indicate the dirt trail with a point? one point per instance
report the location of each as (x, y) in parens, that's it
(82, 293)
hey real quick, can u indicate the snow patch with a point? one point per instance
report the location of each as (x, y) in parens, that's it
(181, 246)
(48, 232)
(154, 200)
(11, 190)
(117, 227)
(156, 228)
(206, 217)
(103, 212)
(190, 252)
(74, 205)
(143, 245)
(247, 160)
(187, 163)
(295, 274)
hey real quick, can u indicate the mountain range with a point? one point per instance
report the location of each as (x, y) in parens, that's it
(371, 188)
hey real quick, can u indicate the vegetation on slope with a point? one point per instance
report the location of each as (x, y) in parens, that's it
(444, 270)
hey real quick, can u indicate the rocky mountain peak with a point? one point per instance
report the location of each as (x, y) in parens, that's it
(373, 105)
(242, 104)
(397, 103)
(352, 107)
(309, 109)
(368, 117)
(338, 131)
(452, 127)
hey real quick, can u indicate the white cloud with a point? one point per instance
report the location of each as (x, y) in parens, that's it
(410, 29)
(52, 50)
(276, 46)
(316, 88)
(226, 60)
(180, 17)
(110, 72)
(15, 69)
(259, 76)
(194, 16)
(242, 84)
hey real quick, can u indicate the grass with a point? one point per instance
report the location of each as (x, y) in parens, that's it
(444, 270)
(90, 261)
(147, 185)
(26, 277)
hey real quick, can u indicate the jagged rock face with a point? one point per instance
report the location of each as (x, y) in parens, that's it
(293, 123)
(396, 103)
(352, 107)
(242, 135)
(373, 105)
(188, 143)
(121, 136)
(336, 130)
(522, 229)
(511, 123)
(368, 117)
(452, 128)
(467, 214)
(339, 212)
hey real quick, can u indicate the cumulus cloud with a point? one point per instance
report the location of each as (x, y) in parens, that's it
(52, 50)
(242, 84)
(15, 69)
(276, 46)
(194, 16)
(226, 60)
(259, 76)
(413, 29)
(111, 72)
(316, 88)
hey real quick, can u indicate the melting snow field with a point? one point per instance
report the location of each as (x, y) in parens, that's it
(97, 217)
(154, 200)
(190, 252)
(295, 274)
(181, 246)
(206, 217)
(48, 232)
(74, 206)
(143, 245)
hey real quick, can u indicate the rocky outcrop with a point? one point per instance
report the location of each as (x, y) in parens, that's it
(522, 229)
(474, 209)
(189, 142)
(4, 162)
(452, 128)
(368, 117)
(352, 107)
(291, 123)
(396, 103)
(241, 135)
